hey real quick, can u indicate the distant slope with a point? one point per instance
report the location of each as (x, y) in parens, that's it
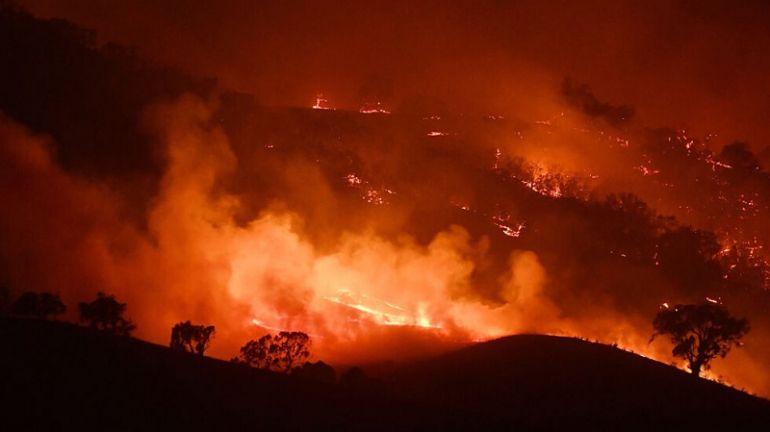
(89, 97)
(551, 382)
(61, 376)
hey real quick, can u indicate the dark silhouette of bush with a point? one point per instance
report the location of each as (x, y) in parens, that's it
(358, 383)
(38, 305)
(106, 314)
(354, 377)
(700, 332)
(191, 338)
(280, 353)
(318, 371)
(740, 157)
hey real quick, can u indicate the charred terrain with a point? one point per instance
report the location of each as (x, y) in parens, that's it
(400, 229)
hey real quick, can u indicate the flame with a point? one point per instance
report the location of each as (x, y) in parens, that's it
(436, 133)
(374, 108)
(360, 294)
(369, 194)
(541, 182)
(321, 103)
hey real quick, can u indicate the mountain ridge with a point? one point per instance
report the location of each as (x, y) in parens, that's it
(62, 375)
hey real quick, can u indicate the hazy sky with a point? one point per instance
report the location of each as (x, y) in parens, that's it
(694, 64)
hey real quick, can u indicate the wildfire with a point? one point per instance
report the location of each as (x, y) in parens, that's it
(374, 108)
(543, 188)
(381, 311)
(371, 195)
(261, 324)
(646, 171)
(321, 103)
(436, 133)
(498, 156)
(511, 231)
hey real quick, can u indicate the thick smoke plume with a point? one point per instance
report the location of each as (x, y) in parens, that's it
(367, 297)
(479, 208)
(697, 65)
(363, 297)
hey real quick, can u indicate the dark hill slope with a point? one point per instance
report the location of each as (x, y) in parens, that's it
(60, 376)
(551, 382)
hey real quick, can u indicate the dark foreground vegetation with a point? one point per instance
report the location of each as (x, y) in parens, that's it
(60, 376)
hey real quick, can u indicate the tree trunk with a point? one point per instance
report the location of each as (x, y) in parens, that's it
(695, 369)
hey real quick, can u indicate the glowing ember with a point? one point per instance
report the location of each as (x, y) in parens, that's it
(437, 134)
(510, 231)
(371, 195)
(646, 171)
(321, 103)
(498, 155)
(374, 108)
(353, 179)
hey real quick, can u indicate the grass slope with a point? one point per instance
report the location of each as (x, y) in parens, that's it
(59, 376)
(551, 382)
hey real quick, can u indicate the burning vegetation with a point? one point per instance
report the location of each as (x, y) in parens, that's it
(379, 230)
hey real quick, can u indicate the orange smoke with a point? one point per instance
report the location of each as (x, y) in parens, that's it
(362, 298)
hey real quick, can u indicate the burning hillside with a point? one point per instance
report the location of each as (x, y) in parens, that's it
(383, 230)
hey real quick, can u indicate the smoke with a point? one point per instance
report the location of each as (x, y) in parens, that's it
(253, 241)
(361, 295)
(364, 297)
(693, 65)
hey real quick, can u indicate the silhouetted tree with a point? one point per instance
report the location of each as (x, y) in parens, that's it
(191, 338)
(745, 271)
(257, 353)
(318, 371)
(105, 313)
(357, 382)
(740, 157)
(354, 377)
(280, 353)
(700, 332)
(38, 305)
(686, 257)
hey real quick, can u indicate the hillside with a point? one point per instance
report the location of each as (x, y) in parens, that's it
(61, 376)
(548, 382)
(384, 236)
